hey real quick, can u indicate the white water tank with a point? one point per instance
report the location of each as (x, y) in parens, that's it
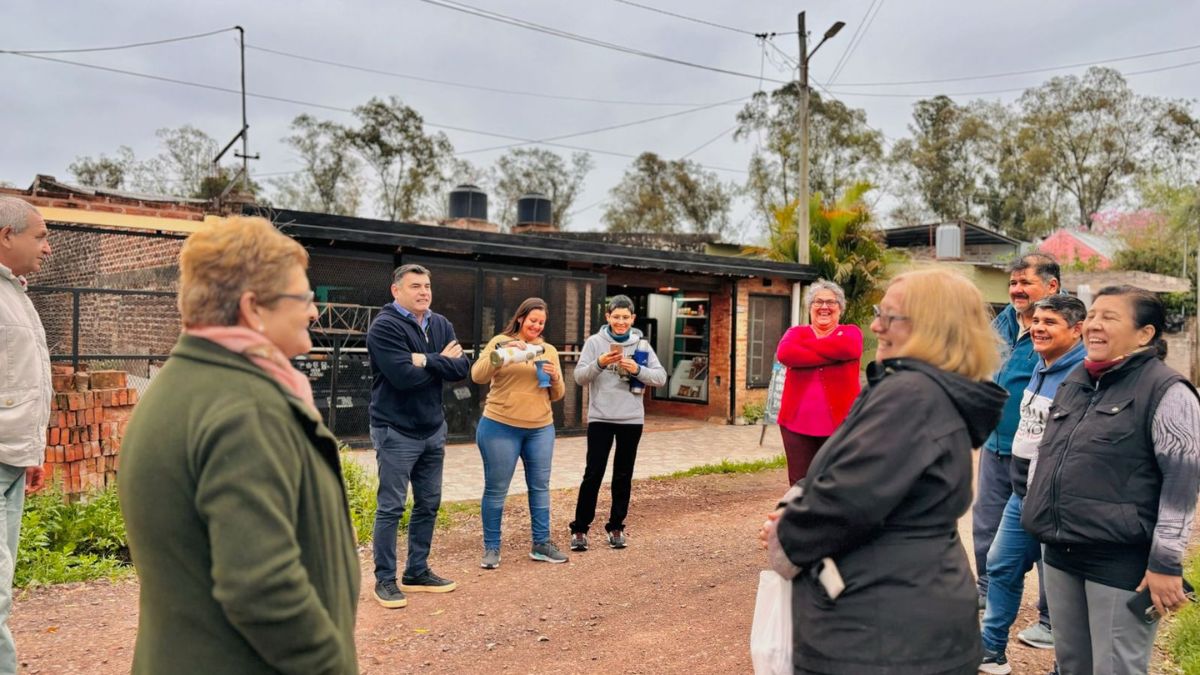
(948, 242)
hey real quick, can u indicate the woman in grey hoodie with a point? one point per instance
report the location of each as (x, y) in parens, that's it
(616, 364)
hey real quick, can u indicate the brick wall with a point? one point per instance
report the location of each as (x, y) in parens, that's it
(110, 324)
(88, 416)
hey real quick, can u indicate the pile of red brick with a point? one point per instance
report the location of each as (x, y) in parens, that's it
(87, 420)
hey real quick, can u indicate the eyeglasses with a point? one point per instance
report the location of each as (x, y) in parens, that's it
(826, 303)
(306, 298)
(885, 320)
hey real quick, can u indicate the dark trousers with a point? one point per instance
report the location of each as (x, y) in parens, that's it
(405, 461)
(600, 436)
(992, 491)
(800, 450)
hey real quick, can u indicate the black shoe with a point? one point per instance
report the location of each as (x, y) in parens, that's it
(427, 582)
(389, 596)
(994, 663)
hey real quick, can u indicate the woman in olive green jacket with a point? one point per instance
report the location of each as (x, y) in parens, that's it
(230, 484)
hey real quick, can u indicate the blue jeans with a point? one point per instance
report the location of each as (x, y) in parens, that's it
(1013, 553)
(991, 496)
(12, 494)
(404, 460)
(500, 445)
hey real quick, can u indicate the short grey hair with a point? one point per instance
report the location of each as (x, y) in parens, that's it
(824, 285)
(15, 213)
(410, 268)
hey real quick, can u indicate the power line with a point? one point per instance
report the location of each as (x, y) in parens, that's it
(709, 142)
(613, 127)
(853, 36)
(685, 18)
(539, 28)
(853, 46)
(1030, 71)
(323, 106)
(131, 45)
(462, 85)
(1008, 90)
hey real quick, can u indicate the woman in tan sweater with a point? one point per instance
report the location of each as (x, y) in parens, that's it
(518, 422)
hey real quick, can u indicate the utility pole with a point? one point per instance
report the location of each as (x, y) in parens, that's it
(245, 154)
(802, 233)
(243, 133)
(802, 223)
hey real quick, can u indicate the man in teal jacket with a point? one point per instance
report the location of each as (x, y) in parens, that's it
(1031, 278)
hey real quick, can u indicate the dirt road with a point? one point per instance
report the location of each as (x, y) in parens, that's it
(678, 600)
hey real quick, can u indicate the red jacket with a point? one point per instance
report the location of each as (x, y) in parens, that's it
(832, 360)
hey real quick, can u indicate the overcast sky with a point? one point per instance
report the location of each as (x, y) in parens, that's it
(52, 112)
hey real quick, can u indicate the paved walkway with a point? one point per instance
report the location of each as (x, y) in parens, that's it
(668, 445)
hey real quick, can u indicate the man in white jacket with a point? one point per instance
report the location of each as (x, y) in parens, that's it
(24, 391)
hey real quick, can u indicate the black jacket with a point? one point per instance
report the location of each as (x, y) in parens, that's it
(403, 396)
(1098, 481)
(882, 498)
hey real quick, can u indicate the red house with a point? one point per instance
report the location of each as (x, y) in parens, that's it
(1074, 246)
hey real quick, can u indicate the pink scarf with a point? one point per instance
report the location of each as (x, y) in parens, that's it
(263, 353)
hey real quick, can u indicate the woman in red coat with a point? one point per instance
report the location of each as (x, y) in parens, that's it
(822, 378)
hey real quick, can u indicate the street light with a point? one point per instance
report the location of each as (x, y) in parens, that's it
(802, 236)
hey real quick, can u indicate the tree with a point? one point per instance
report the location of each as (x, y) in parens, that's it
(329, 182)
(842, 147)
(104, 171)
(409, 164)
(946, 153)
(844, 247)
(668, 196)
(1094, 128)
(523, 170)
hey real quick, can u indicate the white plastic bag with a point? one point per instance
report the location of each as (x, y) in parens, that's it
(771, 632)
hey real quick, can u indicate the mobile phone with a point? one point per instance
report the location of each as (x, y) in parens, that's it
(616, 349)
(1143, 607)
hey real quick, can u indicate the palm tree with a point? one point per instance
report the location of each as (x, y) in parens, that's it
(844, 247)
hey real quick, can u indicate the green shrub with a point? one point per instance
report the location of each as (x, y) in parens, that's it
(361, 487)
(753, 412)
(65, 541)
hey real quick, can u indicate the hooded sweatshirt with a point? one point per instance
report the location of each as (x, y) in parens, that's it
(1035, 406)
(609, 398)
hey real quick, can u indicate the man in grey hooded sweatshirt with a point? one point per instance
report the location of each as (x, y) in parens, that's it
(615, 373)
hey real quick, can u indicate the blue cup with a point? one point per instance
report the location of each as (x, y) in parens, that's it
(542, 376)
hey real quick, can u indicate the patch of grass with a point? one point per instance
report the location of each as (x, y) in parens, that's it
(727, 466)
(362, 493)
(1183, 635)
(65, 541)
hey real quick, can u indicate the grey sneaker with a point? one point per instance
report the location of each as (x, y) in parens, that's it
(388, 595)
(427, 582)
(616, 539)
(579, 541)
(547, 552)
(491, 559)
(1037, 636)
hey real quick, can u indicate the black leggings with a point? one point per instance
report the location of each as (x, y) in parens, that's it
(600, 436)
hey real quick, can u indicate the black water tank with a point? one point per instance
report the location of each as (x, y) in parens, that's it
(534, 207)
(468, 201)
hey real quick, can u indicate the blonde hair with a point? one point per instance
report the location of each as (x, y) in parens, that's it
(951, 325)
(221, 261)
